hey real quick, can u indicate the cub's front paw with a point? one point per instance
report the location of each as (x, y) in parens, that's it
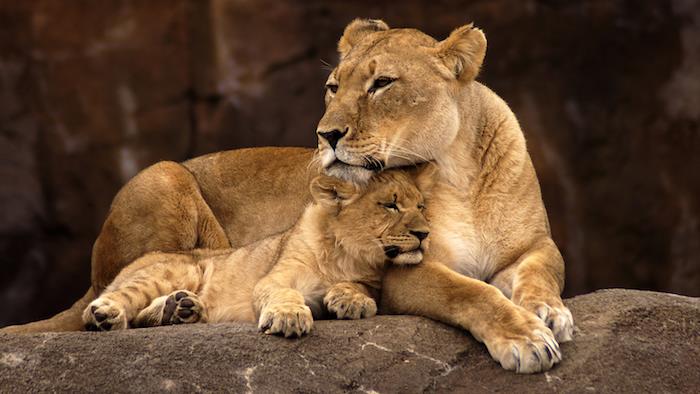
(287, 319)
(104, 315)
(348, 303)
(524, 344)
(182, 307)
(556, 316)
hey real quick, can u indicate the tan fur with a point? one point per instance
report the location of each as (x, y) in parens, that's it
(489, 223)
(330, 261)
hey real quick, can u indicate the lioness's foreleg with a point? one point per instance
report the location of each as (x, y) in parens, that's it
(535, 282)
(514, 337)
(350, 300)
(281, 308)
(147, 279)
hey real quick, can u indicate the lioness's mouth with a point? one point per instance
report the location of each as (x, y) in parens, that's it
(370, 164)
(350, 172)
(373, 164)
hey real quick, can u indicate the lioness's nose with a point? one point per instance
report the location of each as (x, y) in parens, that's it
(332, 136)
(421, 235)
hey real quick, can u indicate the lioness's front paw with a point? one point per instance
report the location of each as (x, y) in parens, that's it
(527, 346)
(349, 304)
(556, 316)
(286, 319)
(104, 315)
(182, 307)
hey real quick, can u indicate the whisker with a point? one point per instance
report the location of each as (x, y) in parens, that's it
(374, 163)
(326, 66)
(398, 150)
(315, 160)
(407, 151)
(400, 156)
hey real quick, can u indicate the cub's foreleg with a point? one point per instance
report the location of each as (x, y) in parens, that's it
(280, 307)
(147, 279)
(535, 282)
(350, 300)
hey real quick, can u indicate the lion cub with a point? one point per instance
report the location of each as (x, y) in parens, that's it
(332, 260)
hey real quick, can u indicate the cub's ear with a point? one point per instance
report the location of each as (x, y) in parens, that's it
(330, 191)
(425, 175)
(356, 31)
(463, 52)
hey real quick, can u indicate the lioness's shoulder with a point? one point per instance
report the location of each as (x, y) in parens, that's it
(241, 159)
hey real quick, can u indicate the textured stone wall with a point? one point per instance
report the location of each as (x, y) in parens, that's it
(608, 94)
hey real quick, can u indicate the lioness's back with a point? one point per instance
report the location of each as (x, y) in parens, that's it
(255, 192)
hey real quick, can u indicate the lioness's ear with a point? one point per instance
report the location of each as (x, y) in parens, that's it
(425, 176)
(330, 191)
(356, 31)
(463, 51)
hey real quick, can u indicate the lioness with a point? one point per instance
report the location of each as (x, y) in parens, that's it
(330, 261)
(396, 97)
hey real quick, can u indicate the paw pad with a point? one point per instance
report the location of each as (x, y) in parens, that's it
(104, 315)
(182, 307)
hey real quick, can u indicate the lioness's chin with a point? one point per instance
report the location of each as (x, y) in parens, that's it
(412, 257)
(349, 173)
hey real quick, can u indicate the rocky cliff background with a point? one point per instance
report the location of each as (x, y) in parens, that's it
(608, 94)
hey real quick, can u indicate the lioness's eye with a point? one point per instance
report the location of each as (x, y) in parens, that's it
(421, 207)
(380, 83)
(391, 206)
(332, 87)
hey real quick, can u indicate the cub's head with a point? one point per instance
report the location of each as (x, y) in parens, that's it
(393, 98)
(383, 220)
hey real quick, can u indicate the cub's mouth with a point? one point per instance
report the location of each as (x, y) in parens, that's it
(396, 256)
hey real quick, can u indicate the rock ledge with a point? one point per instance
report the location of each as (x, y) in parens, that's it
(625, 341)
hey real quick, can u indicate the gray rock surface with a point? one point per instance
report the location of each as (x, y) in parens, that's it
(626, 341)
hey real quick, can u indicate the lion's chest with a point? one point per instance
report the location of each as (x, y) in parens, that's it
(457, 240)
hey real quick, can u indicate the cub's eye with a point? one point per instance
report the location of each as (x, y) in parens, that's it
(380, 83)
(421, 207)
(390, 206)
(332, 87)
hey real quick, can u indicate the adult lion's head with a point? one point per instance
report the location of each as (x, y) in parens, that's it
(391, 101)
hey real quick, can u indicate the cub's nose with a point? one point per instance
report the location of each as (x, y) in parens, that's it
(421, 235)
(332, 136)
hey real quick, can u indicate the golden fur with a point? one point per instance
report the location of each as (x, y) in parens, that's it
(330, 261)
(397, 97)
